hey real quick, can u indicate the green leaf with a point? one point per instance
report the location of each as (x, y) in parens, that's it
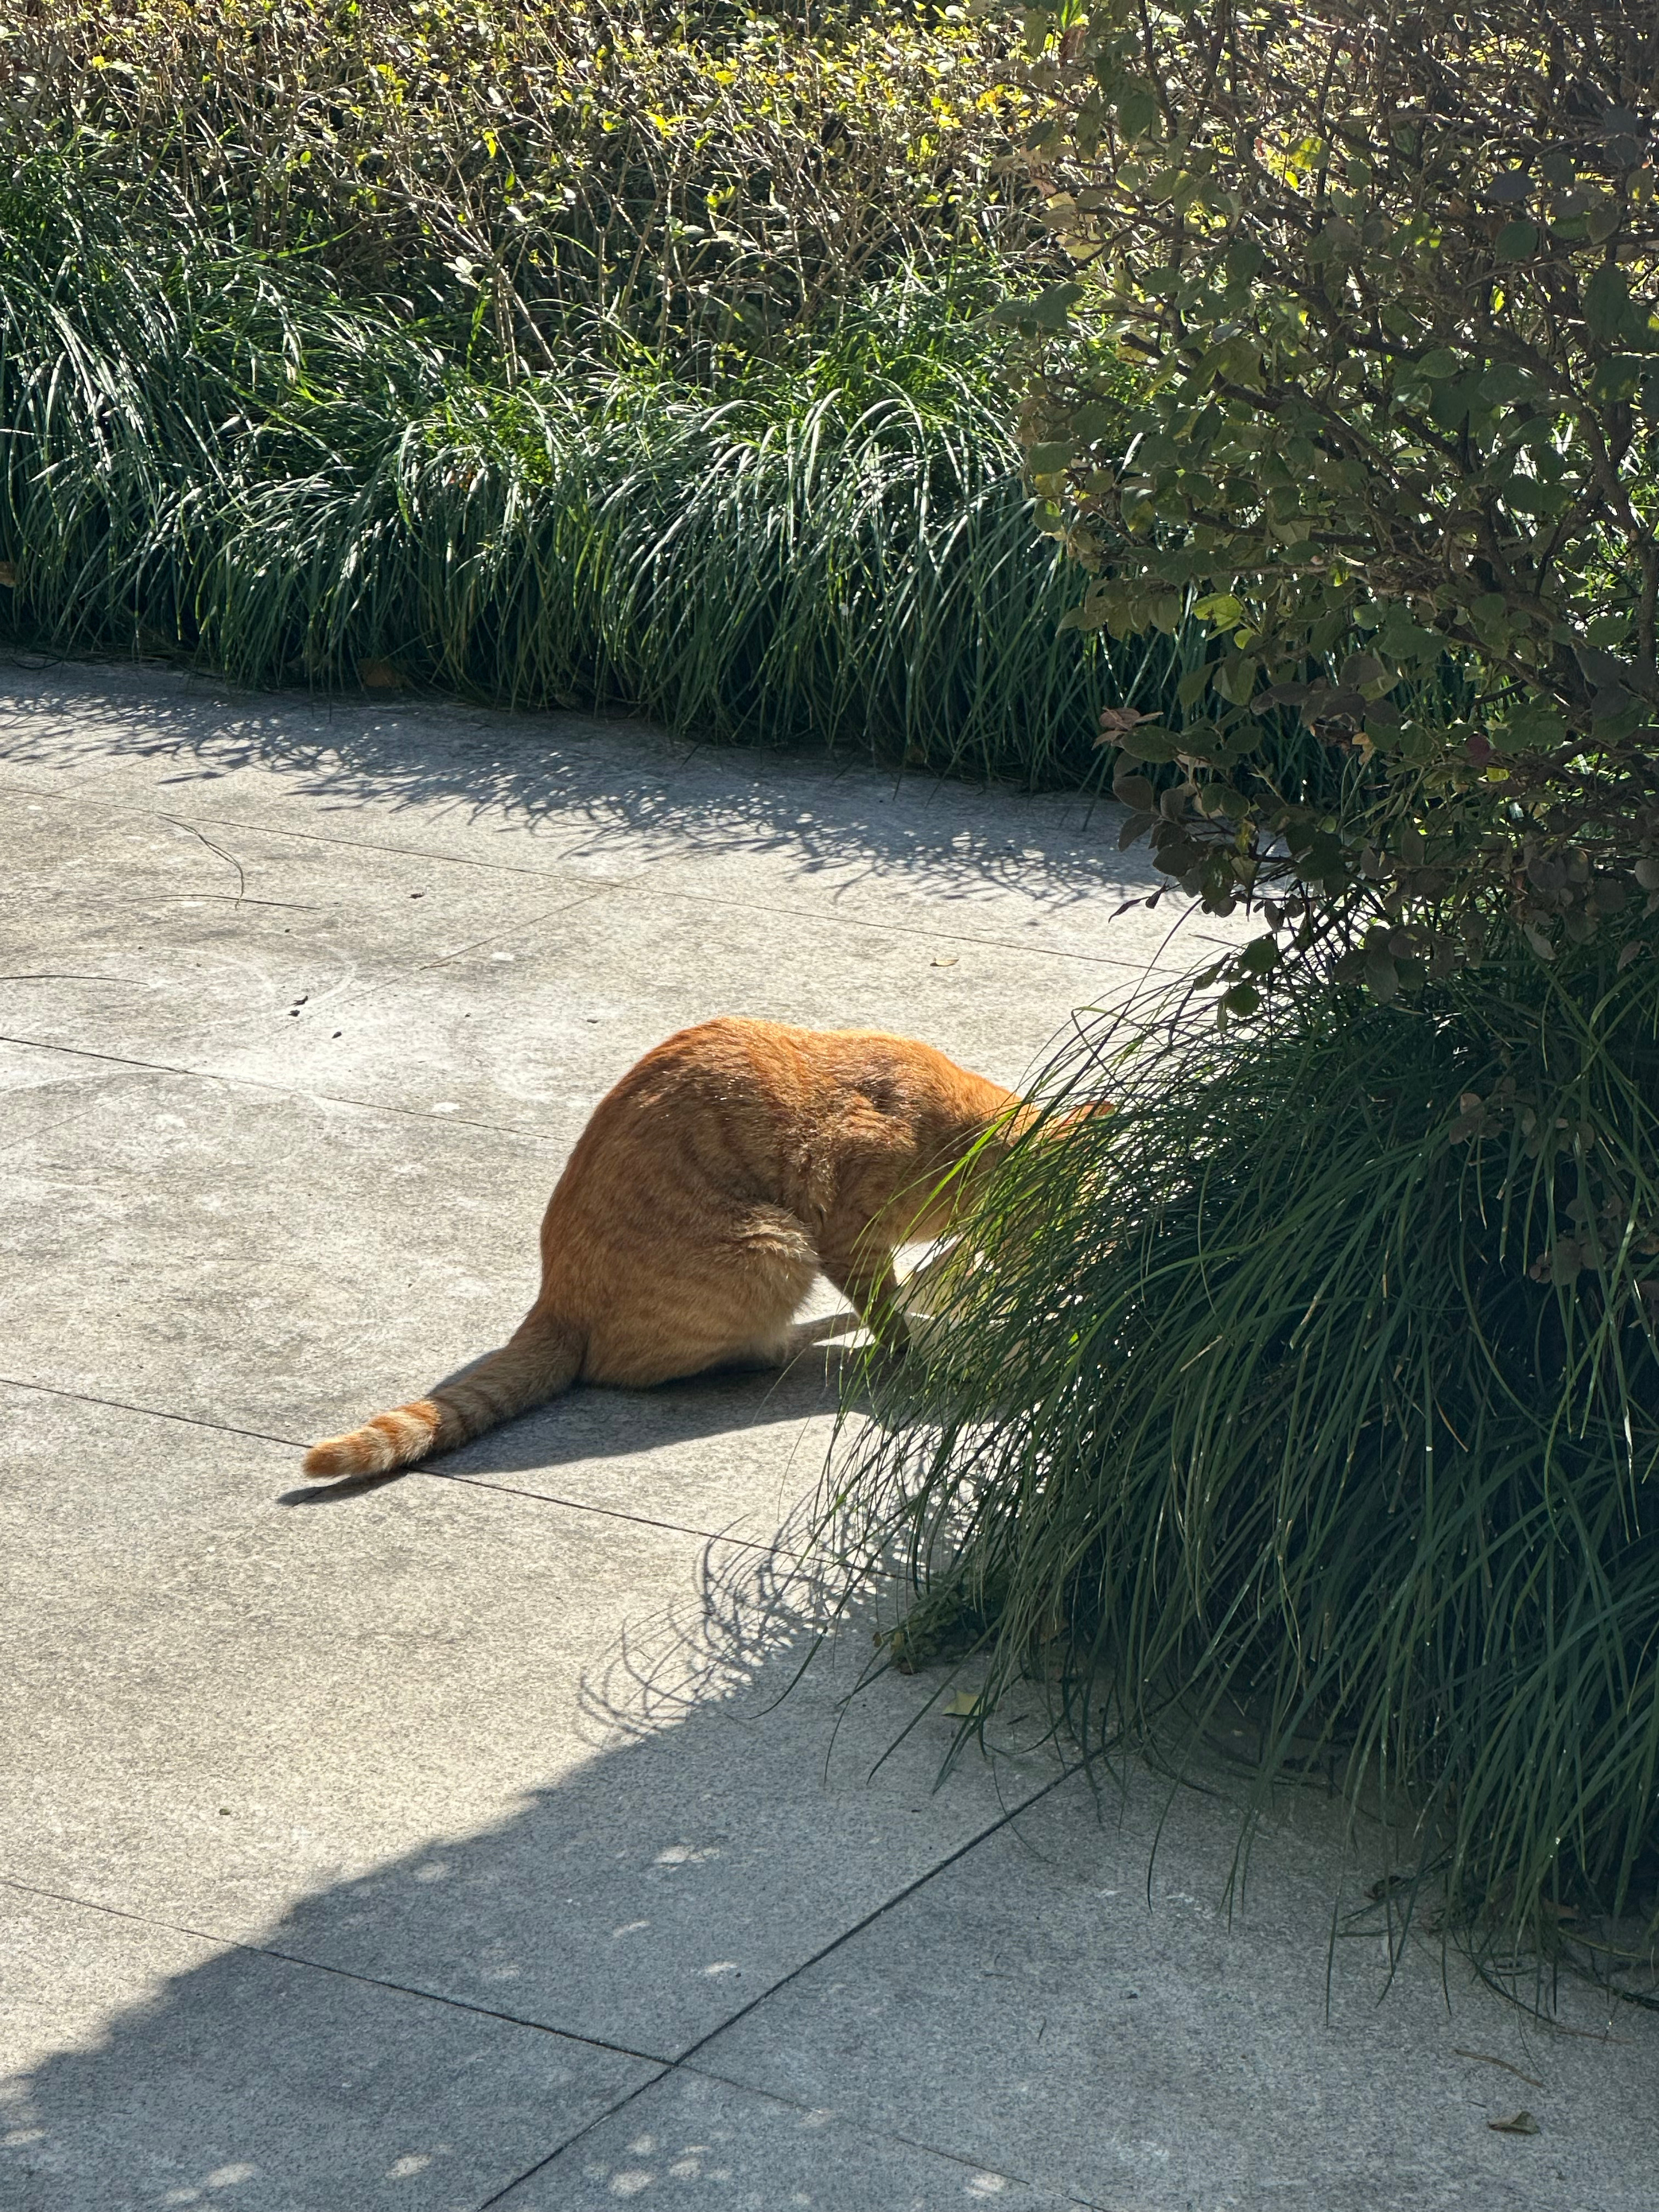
(1533, 728)
(1504, 380)
(1260, 955)
(1048, 312)
(1606, 304)
(1221, 608)
(1137, 109)
(1450, 403)
(1235, 678)
(1381, 975)
(1150, 742)
(1441, 363)
(1517, 241)
(1095, 419)
(1616, 378)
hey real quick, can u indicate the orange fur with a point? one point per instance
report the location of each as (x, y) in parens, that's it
(724, 1172)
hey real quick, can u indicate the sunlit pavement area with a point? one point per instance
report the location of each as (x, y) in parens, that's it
(477, 1838)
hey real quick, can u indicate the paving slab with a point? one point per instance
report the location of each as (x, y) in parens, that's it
(505, 995)
(284, 1264)
(149, 2068)
(443, 1734)
(245, 1255)
(791, 833)
(186, 948)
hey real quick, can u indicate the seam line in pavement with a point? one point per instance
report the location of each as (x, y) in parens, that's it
(60, 1121)
(282, 1089)
(790, 2104)
(78, 791)
(154, 1412)
(887, 2135)
(324, 1967)
(556, 912)
(683, 2063)
(904, 926)
(322, 1492)
(608, 1512)
(397, 972)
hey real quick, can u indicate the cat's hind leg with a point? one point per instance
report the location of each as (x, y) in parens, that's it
(765, 1353)
(728, 1301)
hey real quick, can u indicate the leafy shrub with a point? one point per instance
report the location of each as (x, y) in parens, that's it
(691, 176)
(1393, 282)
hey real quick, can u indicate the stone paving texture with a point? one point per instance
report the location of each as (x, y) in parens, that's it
(468, 1839)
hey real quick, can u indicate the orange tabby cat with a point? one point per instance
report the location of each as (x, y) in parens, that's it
(724, 1172)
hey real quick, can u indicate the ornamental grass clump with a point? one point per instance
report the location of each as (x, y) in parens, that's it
(212, 453)
(1312, 1396)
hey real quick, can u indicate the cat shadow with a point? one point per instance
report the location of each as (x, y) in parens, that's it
(826, 1371)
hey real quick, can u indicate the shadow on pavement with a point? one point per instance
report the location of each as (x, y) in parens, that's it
(610, 1425)
(724, 1829)
(599, 781)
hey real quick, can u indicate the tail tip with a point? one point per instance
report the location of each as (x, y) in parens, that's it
(394, 1439)
(325, 1462)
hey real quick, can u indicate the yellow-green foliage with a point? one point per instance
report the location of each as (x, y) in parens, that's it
(690, 175)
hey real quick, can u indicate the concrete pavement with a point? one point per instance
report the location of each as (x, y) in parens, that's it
(454, 1843)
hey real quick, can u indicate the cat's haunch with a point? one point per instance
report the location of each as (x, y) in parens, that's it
(728, 1168)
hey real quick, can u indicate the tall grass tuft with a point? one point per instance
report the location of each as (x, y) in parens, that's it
(209, 452)
(1317, 1387)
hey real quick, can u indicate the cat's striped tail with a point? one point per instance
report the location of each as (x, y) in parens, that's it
(543, 1356)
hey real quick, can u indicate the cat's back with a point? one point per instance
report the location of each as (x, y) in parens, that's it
(738, 1065)
(745, 1099)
